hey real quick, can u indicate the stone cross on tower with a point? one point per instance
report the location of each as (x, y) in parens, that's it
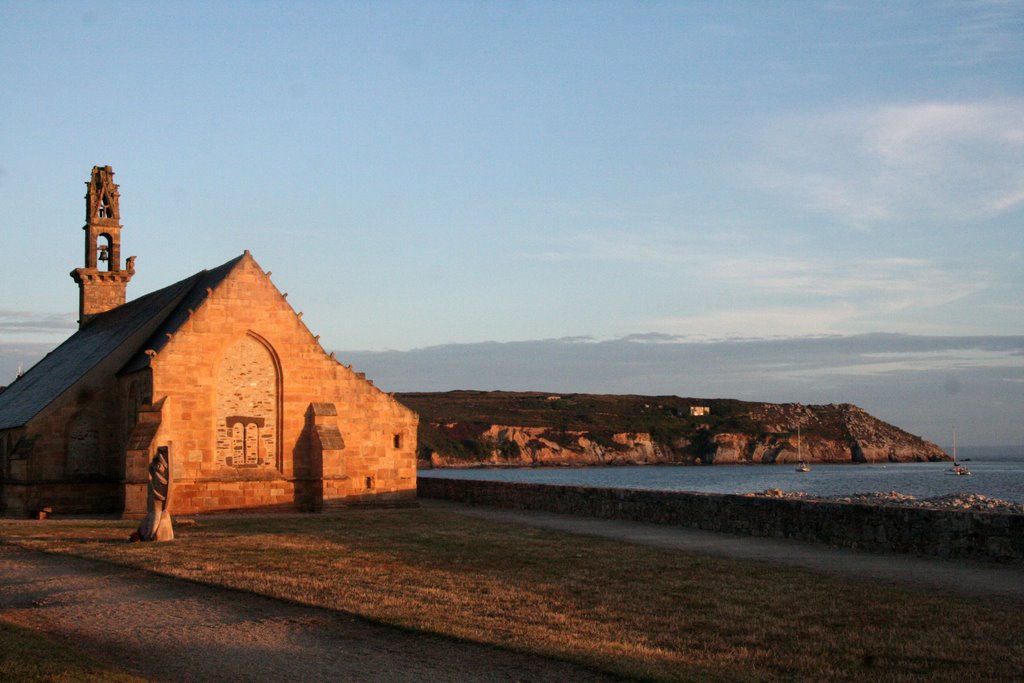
(102, 284)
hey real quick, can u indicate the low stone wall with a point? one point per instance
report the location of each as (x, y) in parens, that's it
(878, 528)
(18, 499)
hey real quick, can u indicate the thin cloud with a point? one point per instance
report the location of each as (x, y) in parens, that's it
(26, 322)
(989, 32)
(904, 282)
(944, 161)
(654, 338)
(781, 295)
(763, 322)
(621, 247)
(848, 294)
(948, 360)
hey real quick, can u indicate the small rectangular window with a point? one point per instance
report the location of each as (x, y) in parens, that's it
(397, 441)
(369, 482)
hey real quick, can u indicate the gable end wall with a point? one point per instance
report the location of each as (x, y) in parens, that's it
(246, 304)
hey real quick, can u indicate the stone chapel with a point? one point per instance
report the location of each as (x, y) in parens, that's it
(219, 369)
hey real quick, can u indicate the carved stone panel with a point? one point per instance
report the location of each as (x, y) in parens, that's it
(247, 405)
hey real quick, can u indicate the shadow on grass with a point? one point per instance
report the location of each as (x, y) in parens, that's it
(633, 610)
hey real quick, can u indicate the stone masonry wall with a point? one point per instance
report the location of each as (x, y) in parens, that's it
(53, 475)
(247, 410)
(100, 291)
(244, 317)
(959, 534)
(78, 498)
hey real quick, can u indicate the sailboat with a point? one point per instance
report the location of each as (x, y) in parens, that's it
(957, 468)
(801, 465)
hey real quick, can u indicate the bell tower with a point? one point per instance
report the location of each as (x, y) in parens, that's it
(102, 284)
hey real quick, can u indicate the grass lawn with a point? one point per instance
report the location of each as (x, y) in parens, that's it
(30, 657)
(634, 610)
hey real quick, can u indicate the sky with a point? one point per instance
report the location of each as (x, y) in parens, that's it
(434, 181)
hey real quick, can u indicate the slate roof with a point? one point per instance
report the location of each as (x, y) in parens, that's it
(168, 308)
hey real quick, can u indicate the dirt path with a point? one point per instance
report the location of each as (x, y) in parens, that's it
(1004, 582)
(168, 630)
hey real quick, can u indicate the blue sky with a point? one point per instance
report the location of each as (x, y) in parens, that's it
(423, 174)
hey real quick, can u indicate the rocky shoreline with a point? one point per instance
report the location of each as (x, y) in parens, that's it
(950, 501)
(465, 428)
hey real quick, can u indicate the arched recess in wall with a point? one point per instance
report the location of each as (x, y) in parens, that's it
(139, 394)
(248, 405)
(82, 448)
(104, 252)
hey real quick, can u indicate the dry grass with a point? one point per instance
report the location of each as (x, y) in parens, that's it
(634, 610)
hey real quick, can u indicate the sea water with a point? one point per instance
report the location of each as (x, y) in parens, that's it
(993, 474)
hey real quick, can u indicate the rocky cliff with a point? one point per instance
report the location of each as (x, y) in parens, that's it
(464, 428)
